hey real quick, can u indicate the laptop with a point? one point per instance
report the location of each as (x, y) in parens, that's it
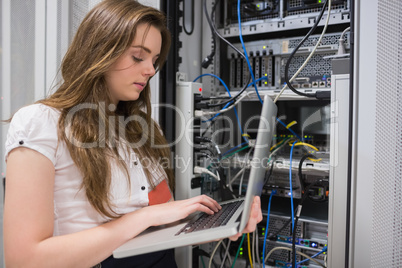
(189, 231)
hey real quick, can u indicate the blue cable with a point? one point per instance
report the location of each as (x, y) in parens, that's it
(217, 77)
(212, 118)
(235, 110)
(258, 80)
(291, 190)
(290, 185)
(324, 249)
(245, 51)
(216, 115)
(266, 228)
(294, 133)
(234, 148)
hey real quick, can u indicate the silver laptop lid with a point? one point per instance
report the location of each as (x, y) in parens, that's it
(260, 157)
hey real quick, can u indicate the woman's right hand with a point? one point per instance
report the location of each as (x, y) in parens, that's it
(177, 210)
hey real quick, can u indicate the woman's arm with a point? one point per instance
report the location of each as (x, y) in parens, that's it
(29, 216)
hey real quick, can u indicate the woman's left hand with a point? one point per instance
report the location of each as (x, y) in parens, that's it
(255, 218)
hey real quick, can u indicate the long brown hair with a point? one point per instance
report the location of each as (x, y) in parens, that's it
(89, 123)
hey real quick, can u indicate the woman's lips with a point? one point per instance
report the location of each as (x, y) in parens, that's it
(140, 85)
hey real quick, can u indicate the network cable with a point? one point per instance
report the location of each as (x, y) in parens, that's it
(238, 250)
(201, 170)
(245, 51)
(201, 113)
(208, 60)
(227, 255)
(215, 31)
(315, 255)
(266, 227)
(288, 81)
(297, 252)
(213, 253)
(208, 140)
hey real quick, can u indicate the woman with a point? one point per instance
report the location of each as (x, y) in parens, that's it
(77, 183)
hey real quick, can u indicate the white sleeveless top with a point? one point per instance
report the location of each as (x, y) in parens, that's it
(35, 127)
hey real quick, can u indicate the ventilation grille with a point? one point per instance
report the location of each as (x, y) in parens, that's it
(386, 245)
(314, 10)
(275, 226)
(328, 39)
(317, 66)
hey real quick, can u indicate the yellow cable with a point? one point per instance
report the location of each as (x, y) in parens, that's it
(291, 124)
(275, 145)
(309, 145)
(249, 251)
(306, 144)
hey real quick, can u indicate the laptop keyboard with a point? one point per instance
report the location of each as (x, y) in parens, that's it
(207, 221)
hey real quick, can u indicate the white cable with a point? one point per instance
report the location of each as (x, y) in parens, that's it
(237, 175)
(201, 170)
(311, 54)
(241, 182)
(297, 252)
(257, 247)
(199, 113)
(280, 147)
(227, 255)
(248, 164)
(213, 253)
(341, 43)
(344, 32)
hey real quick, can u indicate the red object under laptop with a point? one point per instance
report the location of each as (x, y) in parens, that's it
(160, 194)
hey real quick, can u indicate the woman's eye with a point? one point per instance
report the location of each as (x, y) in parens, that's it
(137, 59)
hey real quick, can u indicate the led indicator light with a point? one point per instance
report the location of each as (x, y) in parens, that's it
(200, 89)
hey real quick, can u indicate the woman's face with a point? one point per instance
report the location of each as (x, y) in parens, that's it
(131, 72)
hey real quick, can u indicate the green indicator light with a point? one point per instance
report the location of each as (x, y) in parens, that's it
(259, 5)
(263, 229)
(264, 47)
(266, 83)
